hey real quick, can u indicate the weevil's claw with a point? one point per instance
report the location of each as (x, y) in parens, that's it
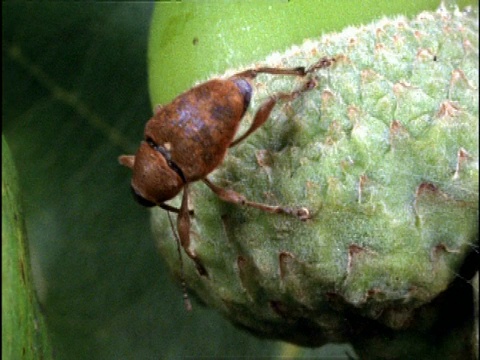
(303, 214)
(311, 84)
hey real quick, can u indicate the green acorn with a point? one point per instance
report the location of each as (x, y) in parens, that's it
(383, 153)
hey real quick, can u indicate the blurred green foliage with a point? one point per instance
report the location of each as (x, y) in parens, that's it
(24, 333)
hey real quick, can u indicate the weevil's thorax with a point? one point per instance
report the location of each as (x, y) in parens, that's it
(199, 125)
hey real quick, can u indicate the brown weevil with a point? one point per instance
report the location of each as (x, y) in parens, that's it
(187, 139)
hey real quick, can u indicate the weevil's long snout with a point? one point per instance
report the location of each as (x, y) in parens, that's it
(127, 160)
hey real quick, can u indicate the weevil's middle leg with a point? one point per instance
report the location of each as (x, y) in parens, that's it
(236, 198)
(183, 227)
(266, 108)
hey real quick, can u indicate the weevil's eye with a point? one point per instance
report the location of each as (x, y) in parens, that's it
(141, 200)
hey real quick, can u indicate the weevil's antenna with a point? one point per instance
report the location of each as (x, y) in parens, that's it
(186, 299)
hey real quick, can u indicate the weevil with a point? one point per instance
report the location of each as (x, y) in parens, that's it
(187, 139)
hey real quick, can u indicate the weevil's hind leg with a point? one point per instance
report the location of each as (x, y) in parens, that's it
(183, 227)
(323, 63)
(252, 73)
(263, 113)
(231, 196)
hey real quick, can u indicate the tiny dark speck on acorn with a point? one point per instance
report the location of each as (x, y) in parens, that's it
(195, 41)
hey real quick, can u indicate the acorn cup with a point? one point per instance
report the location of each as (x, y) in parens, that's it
(383, 153)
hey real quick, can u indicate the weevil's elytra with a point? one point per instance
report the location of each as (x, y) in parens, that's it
(203, 121)
(187, 139)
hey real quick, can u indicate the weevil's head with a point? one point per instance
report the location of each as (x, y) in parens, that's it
(154, 181)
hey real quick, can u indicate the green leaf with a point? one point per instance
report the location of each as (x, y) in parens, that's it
(25, 334)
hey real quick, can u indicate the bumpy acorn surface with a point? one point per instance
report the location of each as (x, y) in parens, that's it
(384, 154)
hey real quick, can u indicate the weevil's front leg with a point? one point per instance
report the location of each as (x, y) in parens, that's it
(169, 208)
(183, 227)
(265, 109)
(173, 209)
(231, 196)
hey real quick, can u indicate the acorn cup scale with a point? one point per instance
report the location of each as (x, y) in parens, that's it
(383, 153)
